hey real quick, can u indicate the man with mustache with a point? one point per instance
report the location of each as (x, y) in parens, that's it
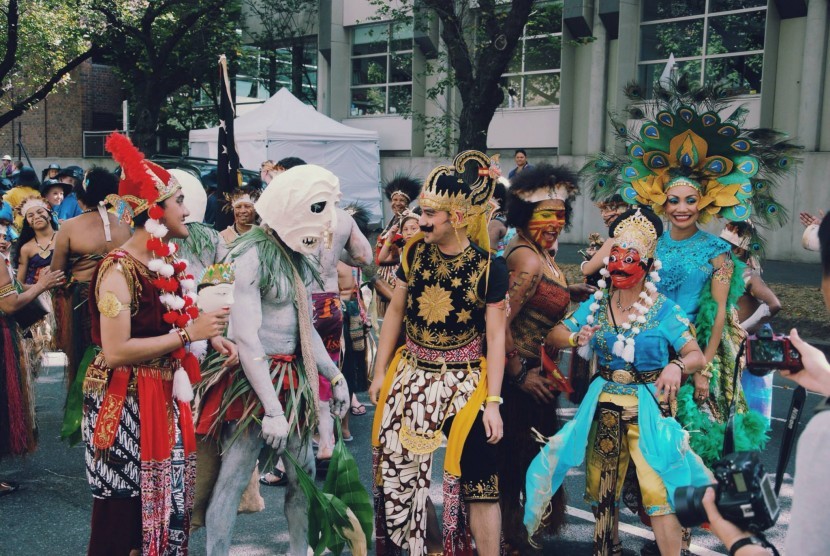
(450, 296)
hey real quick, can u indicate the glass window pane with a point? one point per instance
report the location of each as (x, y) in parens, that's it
(515, 65)
(368, 101)
(683, 38)
(742, 74)
(736, 33)
(400, 99)
(542, 90)
(545, 20)
(401, 69)
(368, 71)
(543, 54)
(665, 9)
(724, 5)
(650, 74)
(511, 87)
(402, 34)
(370, 39)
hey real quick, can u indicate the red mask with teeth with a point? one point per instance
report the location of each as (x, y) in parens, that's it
(626, 267)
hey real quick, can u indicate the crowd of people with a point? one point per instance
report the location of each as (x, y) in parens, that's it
(191, 348)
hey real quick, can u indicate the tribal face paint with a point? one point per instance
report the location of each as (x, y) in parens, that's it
(626, 267)
(546, 223)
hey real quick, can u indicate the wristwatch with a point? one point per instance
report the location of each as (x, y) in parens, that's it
(746, 541)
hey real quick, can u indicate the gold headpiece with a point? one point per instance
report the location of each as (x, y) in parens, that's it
(215, 274)
(637, 232)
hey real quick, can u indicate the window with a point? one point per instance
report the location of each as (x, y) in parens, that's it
(713, 41)
(532, 78)
(263, 72)
(381, 69)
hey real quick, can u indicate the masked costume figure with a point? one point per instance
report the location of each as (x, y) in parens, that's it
(687, 142)
(137, 422)
(401, 191)
(273, 396)
(538, 202)
(620, 420)
(437, 382)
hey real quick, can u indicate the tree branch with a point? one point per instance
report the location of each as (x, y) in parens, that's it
(11, 40)
(452, 31)
(184, 25)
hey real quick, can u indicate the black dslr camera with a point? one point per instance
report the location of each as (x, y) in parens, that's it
(744, 495)
(767, 351)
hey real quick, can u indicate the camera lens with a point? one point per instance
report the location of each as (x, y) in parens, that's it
(688, 504)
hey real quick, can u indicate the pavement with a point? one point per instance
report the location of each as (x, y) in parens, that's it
(50, 513)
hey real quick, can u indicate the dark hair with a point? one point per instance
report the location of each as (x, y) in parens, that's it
(98, 183)
(27, 233)
(648, 213)
(529, 180)
(256, 183)
(290, 162)
(524, 152)
(824, 241)
(500, 195)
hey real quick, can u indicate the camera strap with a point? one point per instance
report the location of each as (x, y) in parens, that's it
(787, 441)
(729, 433)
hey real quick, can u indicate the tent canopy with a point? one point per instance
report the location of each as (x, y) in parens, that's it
(283, 126)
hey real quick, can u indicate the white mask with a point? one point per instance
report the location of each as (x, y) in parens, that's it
(213, 298)
(195, 198)
(299, 205)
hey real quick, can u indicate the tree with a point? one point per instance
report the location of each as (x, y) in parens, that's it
(480, 37)
(45, 40)
(162, 47)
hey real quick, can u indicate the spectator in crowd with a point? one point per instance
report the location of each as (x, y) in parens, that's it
(6, 167)
(806, 535)
(809, 240)
(51, 171)
(520, 157)
(69, 207)
(54, 192)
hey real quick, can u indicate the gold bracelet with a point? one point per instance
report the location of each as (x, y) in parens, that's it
(7, 290)
(679, 362)
(705, 372)
(336, 379)
(498, 399)
(182, 336)
(572, 339)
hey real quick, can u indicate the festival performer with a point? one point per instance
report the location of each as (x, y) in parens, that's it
(241, 202)
(18, 430)
(632, 329)
(450, 296)
(137, 425)
(274, 396)
(539, 208)
(609, 210)
(401, 190)
(80, 244)
(691, 164)
(203, 245)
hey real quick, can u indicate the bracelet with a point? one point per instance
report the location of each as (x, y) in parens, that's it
(679, 362)
(519, 379)
(275, 415)
(186, 335)
(182, 336)
(336, 379)
(705, 372)
(511, 354)
(572, 339)
(498, 399)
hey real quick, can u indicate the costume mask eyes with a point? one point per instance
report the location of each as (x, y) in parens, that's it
(625, 266)
(318, 208)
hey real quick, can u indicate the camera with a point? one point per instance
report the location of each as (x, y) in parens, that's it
(767, 351)
(744, 495)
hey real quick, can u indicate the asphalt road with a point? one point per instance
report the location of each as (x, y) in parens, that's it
(50, 514)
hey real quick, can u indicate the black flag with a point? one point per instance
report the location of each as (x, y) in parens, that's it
(227, 166)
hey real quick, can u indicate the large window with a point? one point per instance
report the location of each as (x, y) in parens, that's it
(381, 69)
(263, 72)
(713, 41)
(532, 78)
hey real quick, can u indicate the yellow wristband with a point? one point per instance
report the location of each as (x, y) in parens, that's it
(336, 379)
(498, 399)
(572, 341)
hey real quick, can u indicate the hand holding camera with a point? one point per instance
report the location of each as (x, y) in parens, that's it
(816, 374)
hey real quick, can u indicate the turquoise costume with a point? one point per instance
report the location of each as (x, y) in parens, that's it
(663, 444)
(686, 278)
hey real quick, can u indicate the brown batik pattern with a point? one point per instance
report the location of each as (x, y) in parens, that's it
(418, 400)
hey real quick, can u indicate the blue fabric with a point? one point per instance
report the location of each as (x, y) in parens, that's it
(210, 209)
(687, 267)
(69, 208)
(666, 325)
(513, 172)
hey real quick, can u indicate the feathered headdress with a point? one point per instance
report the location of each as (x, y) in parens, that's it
(143, 183)
(361, 215)
(403, 184)
(14, 197)
(544, 182)
(29, 203)
(241, 195)
(681, 138)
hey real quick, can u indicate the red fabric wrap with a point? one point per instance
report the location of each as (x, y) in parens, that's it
(109, 415)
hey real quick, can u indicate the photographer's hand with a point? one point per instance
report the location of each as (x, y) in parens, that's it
(726, 531)
(816, 373)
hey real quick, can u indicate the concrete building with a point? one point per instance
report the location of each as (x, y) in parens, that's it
(569, 73)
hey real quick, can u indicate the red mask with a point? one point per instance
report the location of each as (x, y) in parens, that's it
(546, 221)
(625, 267)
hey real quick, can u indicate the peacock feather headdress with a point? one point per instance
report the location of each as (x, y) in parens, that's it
(681, 138)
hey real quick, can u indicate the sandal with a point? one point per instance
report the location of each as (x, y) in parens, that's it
(7, 487)
(279, 478)
(617, 549)
(358, 410)
(346, 438)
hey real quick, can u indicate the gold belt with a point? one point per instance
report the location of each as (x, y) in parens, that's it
(439, 365)
(622, 376)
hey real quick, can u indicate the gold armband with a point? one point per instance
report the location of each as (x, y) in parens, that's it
(7, 290)
(110, 306)
(496, 399)
(336, 379)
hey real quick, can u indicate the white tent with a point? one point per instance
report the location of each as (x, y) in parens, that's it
(283, 126)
